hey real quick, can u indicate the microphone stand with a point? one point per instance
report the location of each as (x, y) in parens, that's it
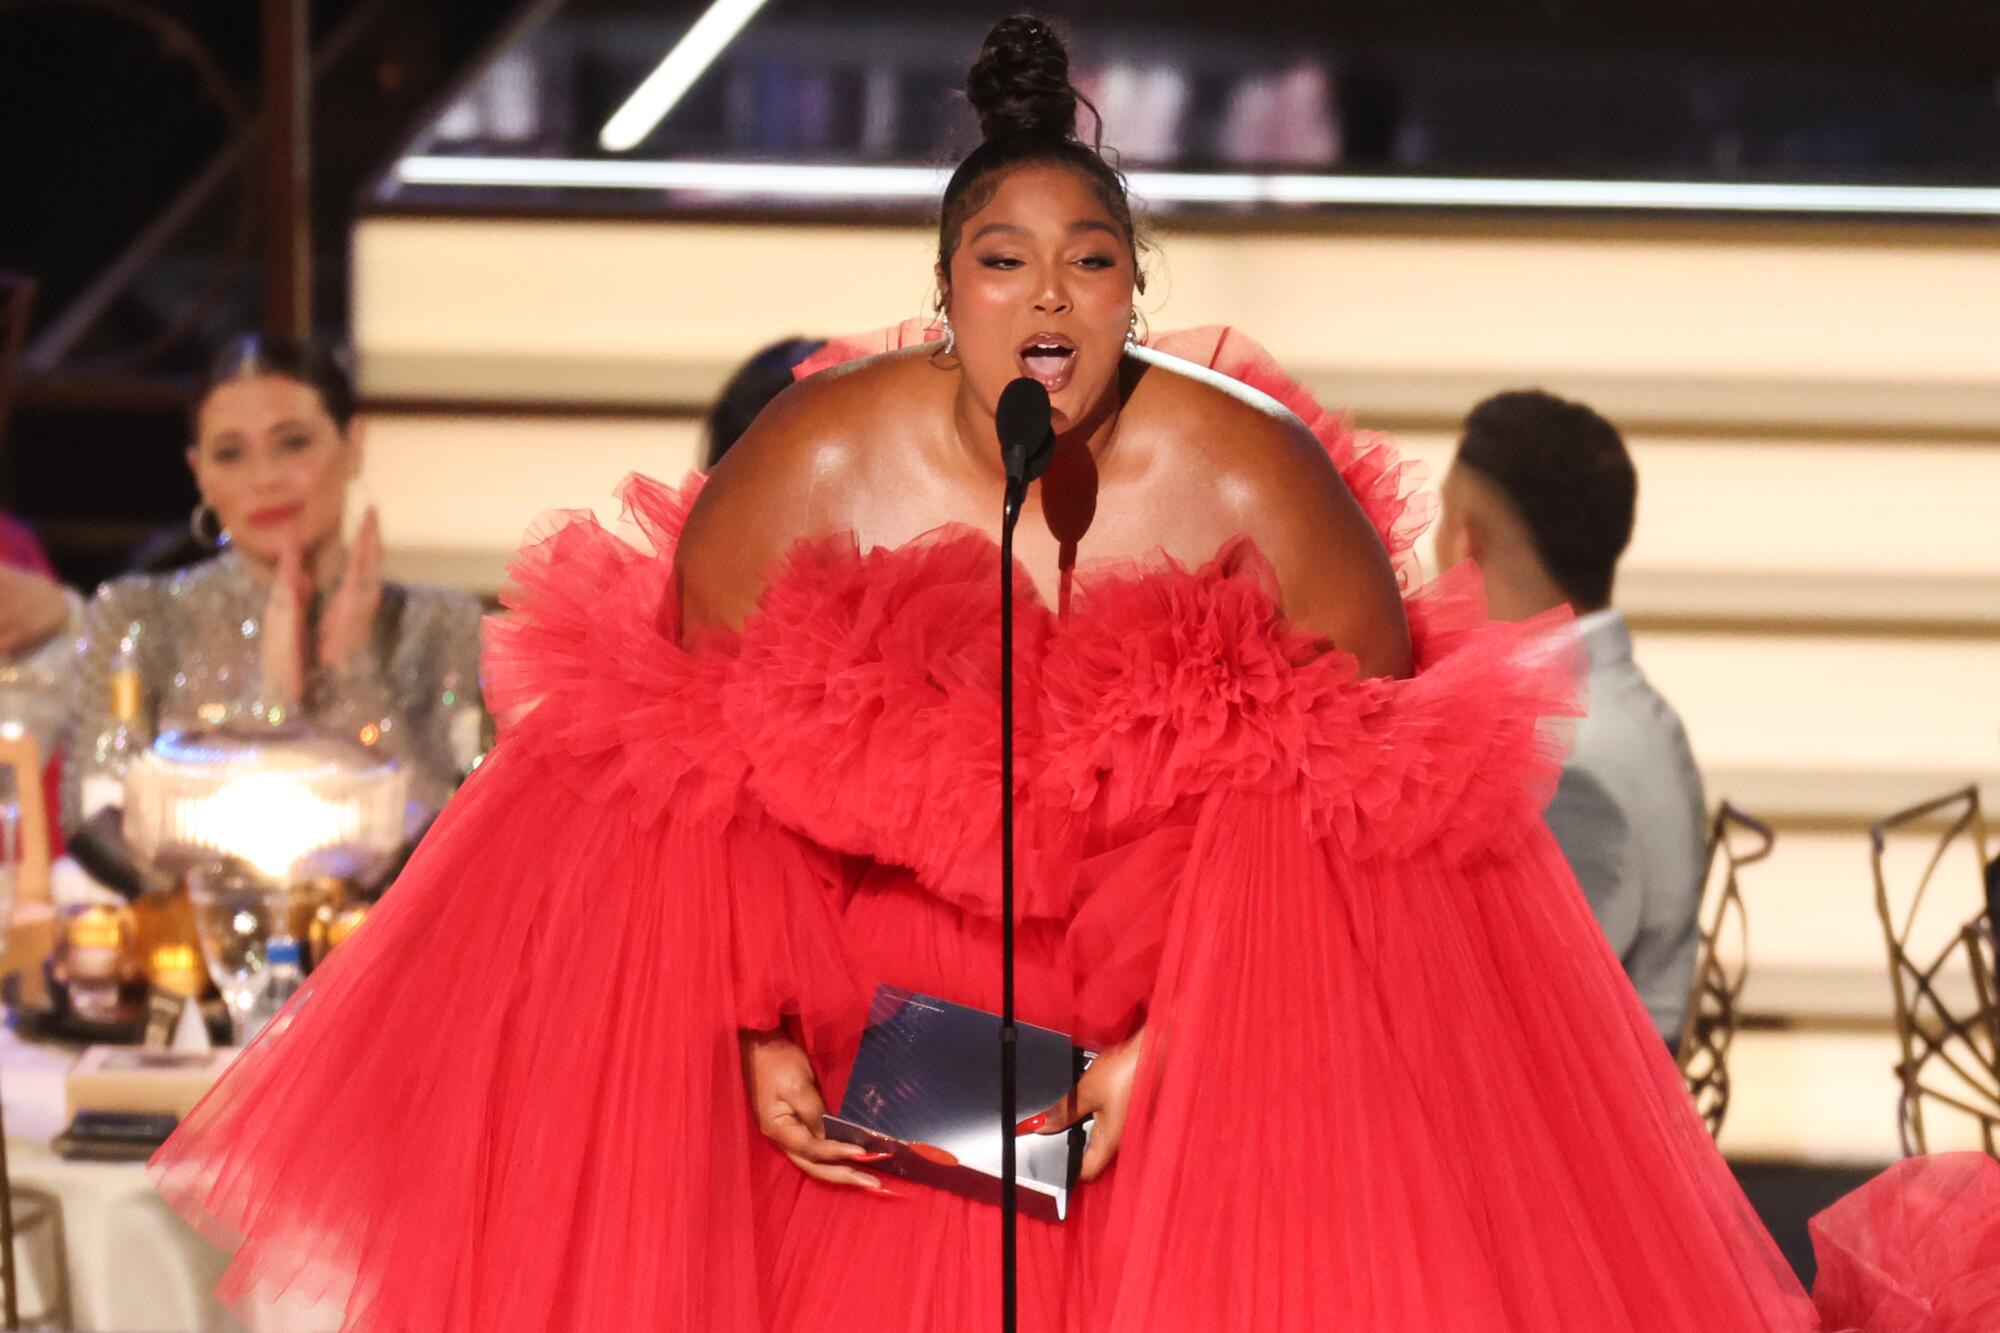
(1022, 421)
(1017, 490)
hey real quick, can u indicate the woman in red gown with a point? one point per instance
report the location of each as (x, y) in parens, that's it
(1368, 1062)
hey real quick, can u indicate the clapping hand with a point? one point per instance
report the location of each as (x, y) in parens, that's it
(349, 622)
(283, 655)
(31, 609)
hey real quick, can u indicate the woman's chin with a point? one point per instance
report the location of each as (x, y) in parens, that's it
(266, 545)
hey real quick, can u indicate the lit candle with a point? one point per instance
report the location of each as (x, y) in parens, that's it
(177, 969)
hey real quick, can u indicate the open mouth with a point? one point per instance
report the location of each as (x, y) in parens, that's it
(1048, 357)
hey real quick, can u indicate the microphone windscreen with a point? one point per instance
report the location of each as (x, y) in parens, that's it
(1021, 419)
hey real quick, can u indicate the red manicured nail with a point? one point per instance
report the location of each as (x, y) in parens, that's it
(871, 1157)
(884, 1192)
(1032, 1125)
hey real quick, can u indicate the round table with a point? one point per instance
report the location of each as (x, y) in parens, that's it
(134, 1265)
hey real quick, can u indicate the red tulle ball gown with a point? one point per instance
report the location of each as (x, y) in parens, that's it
(1393, 1078)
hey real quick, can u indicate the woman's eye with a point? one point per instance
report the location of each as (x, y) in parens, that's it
(228, 453)
(1001, 262)
(1097, 261)
(292, 444)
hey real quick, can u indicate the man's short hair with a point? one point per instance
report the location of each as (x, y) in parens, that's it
(1566, 472)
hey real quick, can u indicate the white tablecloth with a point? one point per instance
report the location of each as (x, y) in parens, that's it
(134, 1266)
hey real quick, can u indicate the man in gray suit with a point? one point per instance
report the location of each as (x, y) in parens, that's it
(1541, 496)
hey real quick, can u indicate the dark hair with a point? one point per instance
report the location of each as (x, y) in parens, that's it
(318, 365)
(750, 390)
(1019, 87)
(1566, 472)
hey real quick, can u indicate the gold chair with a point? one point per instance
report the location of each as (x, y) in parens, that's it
(1722, 963)
(1947, 1017)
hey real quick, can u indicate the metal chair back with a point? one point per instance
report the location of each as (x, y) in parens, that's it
(1940, 940)
(1722, 963)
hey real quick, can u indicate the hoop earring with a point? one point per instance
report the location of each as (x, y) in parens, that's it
(1137, 330)
(203, 514)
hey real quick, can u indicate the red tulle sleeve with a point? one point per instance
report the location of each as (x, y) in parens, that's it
(1423, 1071)
(1380, 1024)
(438, 1133)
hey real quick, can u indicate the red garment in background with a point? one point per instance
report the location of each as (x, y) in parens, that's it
(20, 550)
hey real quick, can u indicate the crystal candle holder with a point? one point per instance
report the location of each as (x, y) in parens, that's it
(286, 802)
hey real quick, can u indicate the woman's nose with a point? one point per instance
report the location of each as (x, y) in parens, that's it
(273, 474)
(1052, 299)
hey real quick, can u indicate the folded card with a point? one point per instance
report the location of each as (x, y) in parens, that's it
(925, 1088)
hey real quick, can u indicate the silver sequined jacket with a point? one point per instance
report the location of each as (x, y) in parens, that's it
(194, 637)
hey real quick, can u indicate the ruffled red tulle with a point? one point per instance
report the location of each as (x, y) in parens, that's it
(1917, 1248)
(1393, 1078)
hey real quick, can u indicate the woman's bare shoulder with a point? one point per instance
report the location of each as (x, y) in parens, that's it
(791, 476)
(1243, 443)
(1271, 479)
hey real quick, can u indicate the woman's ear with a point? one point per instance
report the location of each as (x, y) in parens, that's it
(944, 289)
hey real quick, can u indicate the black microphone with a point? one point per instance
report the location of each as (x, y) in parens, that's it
(1027, 441)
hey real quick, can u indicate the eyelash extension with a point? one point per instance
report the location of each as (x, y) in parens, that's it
(1091, 261)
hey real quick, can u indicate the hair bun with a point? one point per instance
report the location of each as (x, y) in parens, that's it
(1019, 84)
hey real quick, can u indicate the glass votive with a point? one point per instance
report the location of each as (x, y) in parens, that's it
(169, 949)
(93, 961)
(345, 922)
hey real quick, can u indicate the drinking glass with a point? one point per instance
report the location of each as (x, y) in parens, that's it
(236, 912)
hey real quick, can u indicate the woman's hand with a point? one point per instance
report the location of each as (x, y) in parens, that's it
(785, 1100)
(1105, 1091)
(349, 623)
(31, 609)
(282, 653)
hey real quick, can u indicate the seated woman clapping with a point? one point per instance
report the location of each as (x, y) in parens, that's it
(289, 621)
